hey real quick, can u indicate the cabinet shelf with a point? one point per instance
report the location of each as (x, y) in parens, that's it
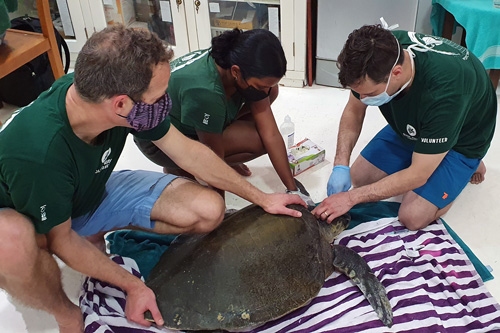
(19, 48)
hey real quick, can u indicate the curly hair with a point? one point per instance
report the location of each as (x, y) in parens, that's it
(369, 51)
(118, 61)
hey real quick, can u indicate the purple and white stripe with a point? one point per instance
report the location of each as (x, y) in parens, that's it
(431, 284)
(103, 305)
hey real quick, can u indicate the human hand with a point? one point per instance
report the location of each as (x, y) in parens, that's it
(140, 300)
(276, 203)
(334, 206)
(339, 181)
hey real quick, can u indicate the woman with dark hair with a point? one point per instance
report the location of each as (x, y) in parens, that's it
(222, 97)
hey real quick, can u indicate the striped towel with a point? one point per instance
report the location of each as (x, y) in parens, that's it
(431, 284)
(103, 305)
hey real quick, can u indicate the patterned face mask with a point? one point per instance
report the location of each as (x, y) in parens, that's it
(144, 116)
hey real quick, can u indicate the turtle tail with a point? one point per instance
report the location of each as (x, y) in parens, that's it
(355, 267)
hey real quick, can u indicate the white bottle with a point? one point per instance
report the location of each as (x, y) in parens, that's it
(287, 130)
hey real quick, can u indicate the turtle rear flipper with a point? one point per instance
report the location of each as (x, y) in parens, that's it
(355, 267)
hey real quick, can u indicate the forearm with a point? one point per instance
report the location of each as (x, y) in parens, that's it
(82, 256)
(204, 164)
(396, 184)
(349, 131)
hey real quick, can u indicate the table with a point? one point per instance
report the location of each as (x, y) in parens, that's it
(481, 21)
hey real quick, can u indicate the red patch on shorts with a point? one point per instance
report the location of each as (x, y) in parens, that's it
(445, 195)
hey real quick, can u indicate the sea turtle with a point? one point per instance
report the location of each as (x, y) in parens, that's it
(255, 267)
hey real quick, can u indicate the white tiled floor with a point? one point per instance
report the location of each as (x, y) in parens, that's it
(316, 112)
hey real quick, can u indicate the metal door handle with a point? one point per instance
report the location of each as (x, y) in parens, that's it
(197, 3)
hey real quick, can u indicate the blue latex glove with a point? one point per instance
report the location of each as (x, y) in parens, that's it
(340, 180)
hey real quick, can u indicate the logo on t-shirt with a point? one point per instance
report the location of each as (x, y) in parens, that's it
(106, 161)
(441, 45)
(43, 214)
(431, 41)
(411, 130)
(205, 118)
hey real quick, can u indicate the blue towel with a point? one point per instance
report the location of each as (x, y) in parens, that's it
(480, 20)
(145, 248)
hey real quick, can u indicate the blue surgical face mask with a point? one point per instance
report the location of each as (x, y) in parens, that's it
(384, 97)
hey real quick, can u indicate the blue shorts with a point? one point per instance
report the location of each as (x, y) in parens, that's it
(128, 200)
(388, 152)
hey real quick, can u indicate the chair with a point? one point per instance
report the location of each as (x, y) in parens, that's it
(23, 46)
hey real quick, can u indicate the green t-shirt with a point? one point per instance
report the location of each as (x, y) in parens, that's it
(451, 103)
(198, 98)
(46, 172)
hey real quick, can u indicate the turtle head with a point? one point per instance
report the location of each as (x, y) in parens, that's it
(330, 231)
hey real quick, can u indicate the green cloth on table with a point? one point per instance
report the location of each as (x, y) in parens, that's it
(480, 20)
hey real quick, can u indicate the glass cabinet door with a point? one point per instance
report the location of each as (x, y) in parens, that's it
(67, 18)
(213, 17)
(286, 19)
(245, 15)
(165, 18)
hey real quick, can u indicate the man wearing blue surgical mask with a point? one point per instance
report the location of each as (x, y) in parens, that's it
(440, 107)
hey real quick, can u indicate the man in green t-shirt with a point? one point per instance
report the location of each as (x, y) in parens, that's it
(58, 190)
(440, 107)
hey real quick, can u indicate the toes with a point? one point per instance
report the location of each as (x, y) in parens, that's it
(477, 178)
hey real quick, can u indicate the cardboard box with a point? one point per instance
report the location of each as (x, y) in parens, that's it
(242, 19)
(305, 155)
(119, 11)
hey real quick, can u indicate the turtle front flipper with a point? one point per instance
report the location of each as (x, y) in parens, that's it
(355, 267)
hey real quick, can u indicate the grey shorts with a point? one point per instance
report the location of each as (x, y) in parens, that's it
(128, 200)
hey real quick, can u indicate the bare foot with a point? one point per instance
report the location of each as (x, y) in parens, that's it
(478, 176)
(242, 169)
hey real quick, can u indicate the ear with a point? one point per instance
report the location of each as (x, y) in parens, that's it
(236, 72)
(397, 70)
(121, 102)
